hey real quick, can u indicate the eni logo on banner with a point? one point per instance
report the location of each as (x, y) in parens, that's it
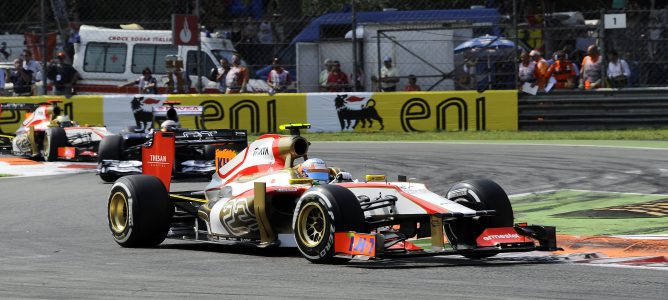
(184, 29)
(418, 109)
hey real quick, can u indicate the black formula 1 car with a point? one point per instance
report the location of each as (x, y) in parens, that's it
(48, 134)
(121, 154)
(260, 198)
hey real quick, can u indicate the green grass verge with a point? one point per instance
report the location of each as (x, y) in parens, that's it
(544, 209)
(615, 135)
(6, 175)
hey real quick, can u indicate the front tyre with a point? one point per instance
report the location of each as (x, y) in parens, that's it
(139, 211)
(320, 212)
(54, 138)
(478, 194)
(111, 148)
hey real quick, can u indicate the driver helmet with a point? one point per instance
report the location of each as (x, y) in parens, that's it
(64, 121)
(316, 169)
(169, 125)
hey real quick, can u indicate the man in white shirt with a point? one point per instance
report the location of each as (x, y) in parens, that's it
(389, 76)
(324, 74)
(618, 70)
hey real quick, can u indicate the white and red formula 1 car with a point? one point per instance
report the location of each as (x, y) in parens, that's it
(48, 134)
(259, 198)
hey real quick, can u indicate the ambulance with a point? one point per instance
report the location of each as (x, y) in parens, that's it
(108, 58)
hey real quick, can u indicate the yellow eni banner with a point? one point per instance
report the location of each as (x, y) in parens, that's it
(82, 109)
(413, 111)
(254, 112)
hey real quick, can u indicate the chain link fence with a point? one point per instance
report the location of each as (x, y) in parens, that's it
(420, 39)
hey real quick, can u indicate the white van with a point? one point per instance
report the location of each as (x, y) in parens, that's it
(106, 58)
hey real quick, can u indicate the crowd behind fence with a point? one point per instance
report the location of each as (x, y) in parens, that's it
(417, 48)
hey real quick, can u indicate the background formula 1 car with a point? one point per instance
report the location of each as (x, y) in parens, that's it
(259, 198)
(45, 133)
(121, 154)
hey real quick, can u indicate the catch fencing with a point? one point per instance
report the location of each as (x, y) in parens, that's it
(419, 36)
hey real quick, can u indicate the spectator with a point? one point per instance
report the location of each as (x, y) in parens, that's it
(32, 65)
(279, 28)
(633, 68)
(388, 76)
(3, 50)
(540, 70)
(412, 84)
(591, 70)
(21, 78)
(527, 70)
(324, 74)
(146, 84)
(63, 75)
(337, 81)
(618, 70)
(237, 77)
(265, 35)
(73, 37)
(235, 35)
(279, 79)
(358, 79)
(563, 71)
(3, 79)
(177, 80)
(249, 32)
(467, 79)
(221, 75)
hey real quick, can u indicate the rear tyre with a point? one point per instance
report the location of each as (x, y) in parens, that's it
(320, 212)
(139, 211)
(111, 148)
(478, 194)
(54, 138)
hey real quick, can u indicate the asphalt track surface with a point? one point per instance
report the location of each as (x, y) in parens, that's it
(55, 241)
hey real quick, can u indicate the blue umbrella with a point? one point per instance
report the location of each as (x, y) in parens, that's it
(486, 42)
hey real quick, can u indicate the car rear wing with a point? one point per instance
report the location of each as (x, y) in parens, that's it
(19, 106)
(211, 136)
(181, 110)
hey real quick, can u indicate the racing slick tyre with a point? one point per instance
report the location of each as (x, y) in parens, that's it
(110, 148)
(321, 211)
(478, 194)
(54, 138)
(139, 211)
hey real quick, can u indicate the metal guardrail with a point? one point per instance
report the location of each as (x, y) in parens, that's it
(595, 110)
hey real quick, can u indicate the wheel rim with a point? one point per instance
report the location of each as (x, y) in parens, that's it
(118, 212)
(45, 146)
(311, 224)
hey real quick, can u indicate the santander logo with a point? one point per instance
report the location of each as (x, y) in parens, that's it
(501, 236)
(185, 35)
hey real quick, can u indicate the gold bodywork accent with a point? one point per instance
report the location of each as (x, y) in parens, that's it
(187, 198)
(301, 181)
(311, 224)
(31, 138)
(118, 212)
(437, 240)
(260, 207)
(291, 148)
(375, 178)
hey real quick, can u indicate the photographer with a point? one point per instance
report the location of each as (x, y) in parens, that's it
(63, 76)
